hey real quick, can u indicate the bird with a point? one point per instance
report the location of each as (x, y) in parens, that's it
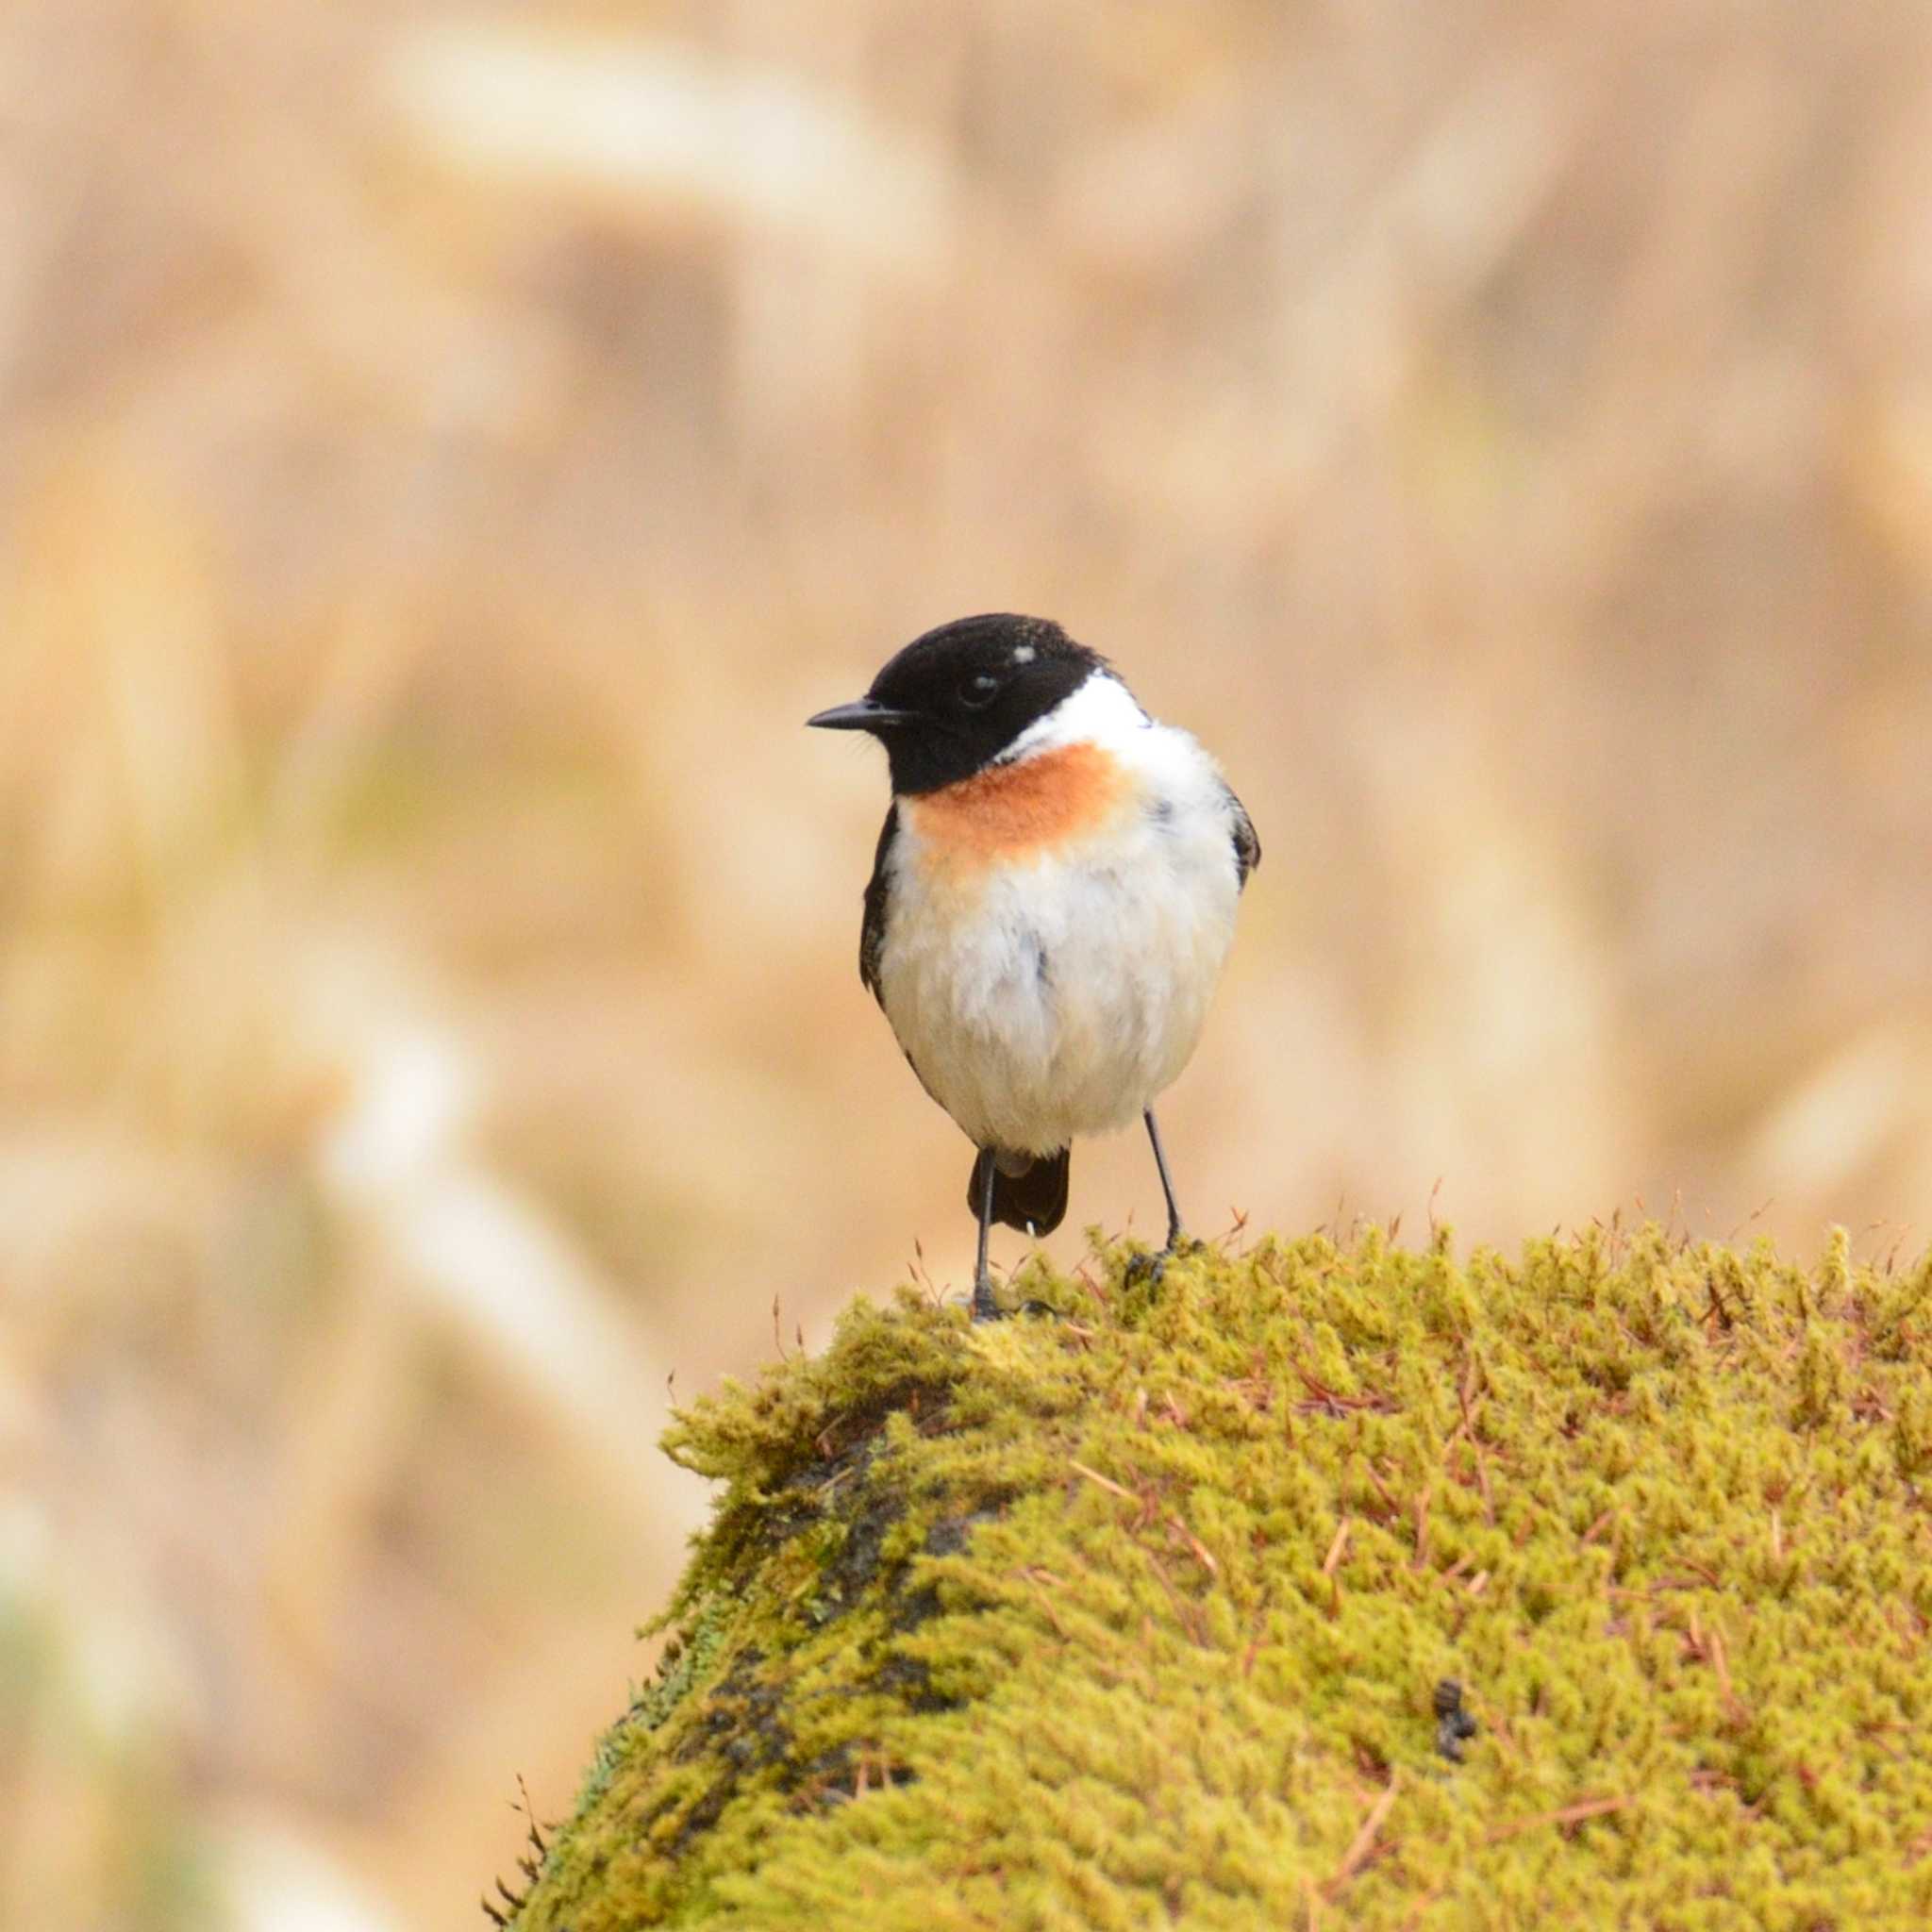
(1051, 904)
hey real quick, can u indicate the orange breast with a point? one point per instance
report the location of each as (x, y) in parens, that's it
(1019, 810)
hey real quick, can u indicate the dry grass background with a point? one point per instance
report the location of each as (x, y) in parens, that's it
(444, 455)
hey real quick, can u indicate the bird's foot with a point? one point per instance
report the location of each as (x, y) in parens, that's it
(984, 1308)
(1150, 1270)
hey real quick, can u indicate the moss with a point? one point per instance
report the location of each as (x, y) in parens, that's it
(1142, 1616)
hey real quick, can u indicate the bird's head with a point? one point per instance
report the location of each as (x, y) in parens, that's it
(965, 695)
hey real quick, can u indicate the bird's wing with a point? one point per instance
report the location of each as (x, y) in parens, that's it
(1248, 844)
(872, 933)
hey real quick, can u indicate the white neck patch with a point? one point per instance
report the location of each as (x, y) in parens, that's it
(1101, 712)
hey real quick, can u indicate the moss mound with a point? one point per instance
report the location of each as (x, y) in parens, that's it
(1137, 1617)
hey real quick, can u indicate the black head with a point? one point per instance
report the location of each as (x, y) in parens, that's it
(952, 701)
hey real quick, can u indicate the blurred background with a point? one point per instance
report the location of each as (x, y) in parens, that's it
(444, 455)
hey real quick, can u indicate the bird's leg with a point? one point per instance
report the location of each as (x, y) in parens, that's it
(984, 1308)
(1174, 1232)
(1151, 1268)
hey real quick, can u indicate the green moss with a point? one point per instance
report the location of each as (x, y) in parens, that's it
(1136, 1618)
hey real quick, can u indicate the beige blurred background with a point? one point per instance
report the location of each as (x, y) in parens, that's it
(444, 455)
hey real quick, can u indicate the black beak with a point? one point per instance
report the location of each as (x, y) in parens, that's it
(865, 715)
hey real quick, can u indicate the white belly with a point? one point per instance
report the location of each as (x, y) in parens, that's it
(1060, 996)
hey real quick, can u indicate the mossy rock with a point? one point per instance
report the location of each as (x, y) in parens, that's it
(1137, 1615)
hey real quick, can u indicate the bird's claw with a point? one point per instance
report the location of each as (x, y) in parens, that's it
(1152, 1268)
(986, 1309)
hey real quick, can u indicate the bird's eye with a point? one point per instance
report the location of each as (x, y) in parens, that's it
(979, 692)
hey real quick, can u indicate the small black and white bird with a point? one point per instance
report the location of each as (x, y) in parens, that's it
(1051, 902)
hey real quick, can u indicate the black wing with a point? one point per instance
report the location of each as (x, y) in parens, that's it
(1247, 845)
(872, 933)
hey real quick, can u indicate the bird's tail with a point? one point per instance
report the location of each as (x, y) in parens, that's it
(1033, 1199)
